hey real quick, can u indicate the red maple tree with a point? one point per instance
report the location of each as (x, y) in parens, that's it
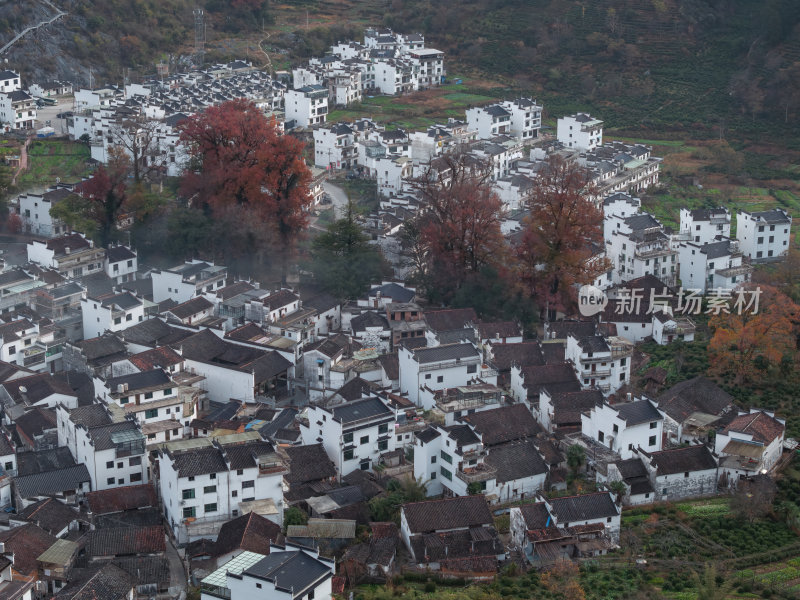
(241, 160)
(561, 237)
(459, 232)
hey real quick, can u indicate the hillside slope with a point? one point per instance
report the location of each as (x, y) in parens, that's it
(686, 64)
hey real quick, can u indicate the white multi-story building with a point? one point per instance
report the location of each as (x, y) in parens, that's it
(71, 255)
(290, 572)
(764, 236)
(17, 110)
(600, 363)
(202, 485)
(34, 210)
(751, 443)
(638, 245)
(334, 147)
(306, 106)
(152, 398)
(188, 280)
(714, 266)
(424, 371)
(703, 225)
(354, 434)
(580, 131)
(520, 118)
(9, 82)
(113, 451)
(121, 263)
(110, 313)
(624, 427)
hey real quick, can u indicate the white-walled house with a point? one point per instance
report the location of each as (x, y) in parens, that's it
(703, 225)
(712, 266)
(638, 245)
(201, 486)
(110, 313)
(121, 264)
(113, 451)
(426, 370)
(624, 427)
(600, 363)
(9, 81)
(306, 106)
(184, 282)
(764, 236)
(34, 210)
(681, 473)
(751, 443)
(354, 434)
(71, 255)
(290, 572)
(580, 132)
(587, 509)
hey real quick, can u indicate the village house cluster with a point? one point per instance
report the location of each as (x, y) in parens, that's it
(140, 404)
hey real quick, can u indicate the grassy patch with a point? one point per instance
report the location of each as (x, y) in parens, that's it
(54, 160)
(707, 508)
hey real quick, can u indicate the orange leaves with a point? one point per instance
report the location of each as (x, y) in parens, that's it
(747, 345)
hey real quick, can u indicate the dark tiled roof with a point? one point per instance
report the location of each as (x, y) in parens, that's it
(124, 541)
(368, 319)
(450, 319)
(633, 467)
(584, 507)
(117, 499)
(139, 381)
(250, 532)
(516, 460)
(191, 308)
(107, 345)
(396, 292)
(694, 395)
(50, 514)
(523, 354)
(92, 415)
(550, 376)
(568, 406)
(308, 463)
(559, 330)
(355, 389)
(119, 253)
(245, 456)
(322, 303)
(449, 513)
(350, 412)
(445, 352)
(27, 543)
(682, 460)
(34, 422)
(280, 299)
(771, 216)
(504, 424)
(154, 332)
(293, 570)
(427, 435)
(473, 544)
(101, 435)
(390, 364)
(499, 329)
(37, 388)
(535, 515)
(52, 482)
(145, 569)
(640, 411)
(462, 435)
(200, 461)
(30, 463)
(284, 419)
(109, 582)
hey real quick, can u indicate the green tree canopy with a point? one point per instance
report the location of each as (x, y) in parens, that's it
(343, 261)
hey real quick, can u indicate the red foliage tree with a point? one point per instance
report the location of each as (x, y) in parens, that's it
(459, 233)
(105, 194)
(557, 250)
(241, 161)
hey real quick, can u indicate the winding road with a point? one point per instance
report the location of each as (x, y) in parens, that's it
(59, 13)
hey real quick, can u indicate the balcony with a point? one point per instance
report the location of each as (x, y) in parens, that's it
(33, 356)
(449, 364)
(681, 327)
(598, 372)
(734, 271)
(482, 472)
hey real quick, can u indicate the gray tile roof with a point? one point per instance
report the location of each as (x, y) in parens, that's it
(445, 353)
(139, 381)
(450, 513)
(683, 460)
(640, 411)
(200, 461)
(584, 507)
(52, 482)
(349, 412)
(516, 460)
(294, 570)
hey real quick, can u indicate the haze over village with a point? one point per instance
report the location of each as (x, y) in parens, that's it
(370, 325)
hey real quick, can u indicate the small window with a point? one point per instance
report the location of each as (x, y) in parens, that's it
(654, 424)
(136, 477)
(212, 476)
(348, 455)
(616, 428)
(148, 395)
(258, 585)
(348, 438)
(248, 484)
(664, 492)
(188, 512)
(433, 460)
(124, 400)
(686, 474)
(652, 440)
(364, 440)
(383, 428)
(135, 461)
(608, 519)
(151, 414)
(191, 478)
(187, 494)
(210, 508)
(210, 489)
(472, 368)
(234, 493)
(383, 444)
(240, 471)
(110, 464)
(110, 481)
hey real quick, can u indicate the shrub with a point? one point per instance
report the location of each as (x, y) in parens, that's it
(430, 587)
